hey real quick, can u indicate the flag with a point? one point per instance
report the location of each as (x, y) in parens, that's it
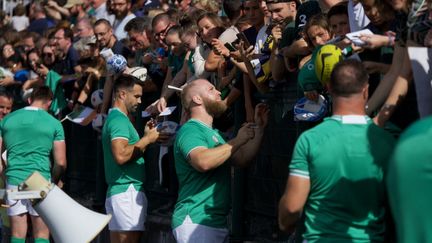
(82, 116)
(262, 68)
(52, 80)
(261, 64)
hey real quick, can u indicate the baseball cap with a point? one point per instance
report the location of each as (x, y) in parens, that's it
(71, 3)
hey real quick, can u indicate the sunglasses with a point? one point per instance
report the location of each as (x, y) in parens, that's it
(163, 32)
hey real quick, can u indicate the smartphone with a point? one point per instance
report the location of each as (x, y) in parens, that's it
(230, 47)
(242, 36)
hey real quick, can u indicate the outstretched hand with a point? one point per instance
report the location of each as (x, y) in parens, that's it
(246, 53)
(374, 41)
(157, 107)
(219, 48)
(262, 111)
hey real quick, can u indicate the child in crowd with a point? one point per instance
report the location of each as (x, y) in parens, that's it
(19, 20)
(316, 33)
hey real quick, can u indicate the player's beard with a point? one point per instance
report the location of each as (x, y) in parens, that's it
(122, 14)
(214, 108)
(131, 108)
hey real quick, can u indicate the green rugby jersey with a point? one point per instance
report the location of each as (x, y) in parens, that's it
(345, 158)
(204, 196)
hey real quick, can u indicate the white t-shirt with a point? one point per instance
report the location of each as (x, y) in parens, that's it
(119, 25)
(357, 17)
(20, 23)
(102, 13)
(198, 62)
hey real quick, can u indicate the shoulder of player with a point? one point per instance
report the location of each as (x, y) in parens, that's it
(116, 115)
(115, 118)
(20, 112)
(191, 127)
(318, 132)
(421, 127)
(381, 133)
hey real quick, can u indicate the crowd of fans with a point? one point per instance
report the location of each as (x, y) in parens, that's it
(246, 48)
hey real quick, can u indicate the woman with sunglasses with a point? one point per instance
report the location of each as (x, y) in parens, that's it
(48, 60)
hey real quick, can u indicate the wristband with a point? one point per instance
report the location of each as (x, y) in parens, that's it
(391, 40)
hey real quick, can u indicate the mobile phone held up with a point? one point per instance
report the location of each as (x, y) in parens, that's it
(242, 36)
(230, 47)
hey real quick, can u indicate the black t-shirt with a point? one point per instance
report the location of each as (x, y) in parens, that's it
(401, 27)
(40, 25)
(305, 11)
(120, 49)
(66, 66)
(251, 35)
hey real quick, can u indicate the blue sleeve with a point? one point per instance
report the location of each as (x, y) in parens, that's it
(74, 58)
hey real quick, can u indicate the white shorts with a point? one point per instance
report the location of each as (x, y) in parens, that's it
(128, 210)
(188, 232)
(19, 206)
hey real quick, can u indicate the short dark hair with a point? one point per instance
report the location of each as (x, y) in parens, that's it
(35, 36)
(297, 2)
(348, 78)
(67, 33)
(160, 17)
(7, 94)
(125, 81)
(138, 24)
(338, 9)
(103, 21)
(232, 8)
(42, 93)
(15, 59)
